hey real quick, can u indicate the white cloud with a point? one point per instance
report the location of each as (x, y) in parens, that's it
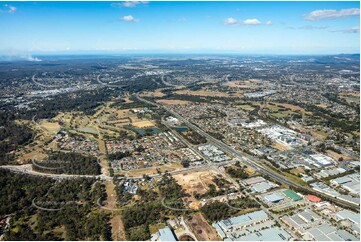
(129, 4)
(8, 9)
(12, 9)
(130, 18)
(331, 14)
(353, 30)
(235, 22)
(252, 21)
(231, 21)
(269, 22)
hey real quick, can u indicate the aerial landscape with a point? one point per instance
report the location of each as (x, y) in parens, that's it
(180, 121)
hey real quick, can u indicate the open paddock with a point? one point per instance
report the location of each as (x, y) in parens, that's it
(173, 102)
(155, 93)
(143, 124)
(52, 127)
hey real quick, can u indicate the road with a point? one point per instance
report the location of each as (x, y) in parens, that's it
(108, 85)
(43, 85)
(250, 161)
(29, 170)
(166, 83)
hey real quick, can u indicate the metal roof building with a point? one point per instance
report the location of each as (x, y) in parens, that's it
(219, 230)
(261, 187)
(253, 180)
(329, 233)
(291, 194)
(166, 234)
(270, 234)
(347, 214)
(243, 220)
(273, 198)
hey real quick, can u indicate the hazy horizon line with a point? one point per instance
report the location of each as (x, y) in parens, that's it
(110, 53)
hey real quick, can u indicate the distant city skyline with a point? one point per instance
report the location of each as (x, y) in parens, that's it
(30, 28)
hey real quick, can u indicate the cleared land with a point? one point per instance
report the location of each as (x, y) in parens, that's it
(280, 147)
(122, 113)
(52, 127)
(201, 229)
(32, 156)
(247, 84)
(292, 107)
(195, 181)
(203, 92)
(172, 101)
(143, 124)
(337, 156)
(155, 93)
(118, 231)
(152, 170)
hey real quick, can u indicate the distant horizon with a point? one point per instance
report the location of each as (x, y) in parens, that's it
(163, 53)
(267, 28)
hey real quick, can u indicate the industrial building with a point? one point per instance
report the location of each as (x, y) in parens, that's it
(253, 180)
(255, 226)
(313, 198)
(301, 221)
(263, 186)
(269, 234)
(166, 234)
(243, 220)
(352, 218)
(350, 183)
(273, 198)
(291, 194)
(327, 232)
(320, 160)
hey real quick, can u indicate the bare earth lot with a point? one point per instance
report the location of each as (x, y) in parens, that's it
(201, 229)
(172, 101)
(195, 181)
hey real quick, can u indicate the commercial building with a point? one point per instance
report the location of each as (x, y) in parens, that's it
(323, 188)
(273, 198)
(166, 234)
(313, 198)
(301, 221)
(243, 220)
(270, 234)
(291, 194)
(330, 172)
(321, 160)
(263, 187)
(327, 232)
(350, 183)
(352, 218)
(253, 180)
(255, 226)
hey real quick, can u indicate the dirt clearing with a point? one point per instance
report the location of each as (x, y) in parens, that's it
(201, 229)
(143, 124)
(173, 102)
(195, 181)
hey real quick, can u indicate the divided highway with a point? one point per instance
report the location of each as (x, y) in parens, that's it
(251, 161)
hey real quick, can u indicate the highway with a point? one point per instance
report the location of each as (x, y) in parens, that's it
(43, 85)
(108, 85)
(251, 161)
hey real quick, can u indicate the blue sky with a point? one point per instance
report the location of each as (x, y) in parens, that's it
(180, 27)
